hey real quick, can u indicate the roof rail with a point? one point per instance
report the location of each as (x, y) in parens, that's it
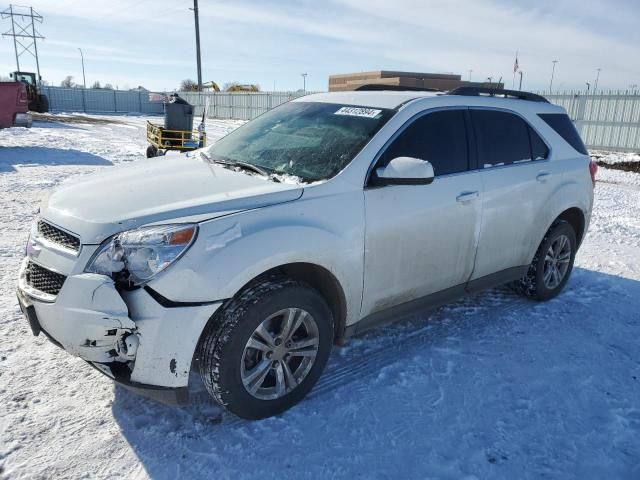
(376, 87)
(494, 92)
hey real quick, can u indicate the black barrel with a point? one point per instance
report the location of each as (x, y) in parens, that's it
(178, 114)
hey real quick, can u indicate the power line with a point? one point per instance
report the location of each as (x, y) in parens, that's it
(24, 33)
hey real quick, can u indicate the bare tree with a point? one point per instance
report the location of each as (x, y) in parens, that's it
(96, 84)
(188, 85)
(67, 82)
(108, 86)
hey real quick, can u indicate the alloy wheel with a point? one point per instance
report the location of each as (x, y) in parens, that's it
(556, 262)
(279, 354)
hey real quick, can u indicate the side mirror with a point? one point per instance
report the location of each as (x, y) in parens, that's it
(404, 171)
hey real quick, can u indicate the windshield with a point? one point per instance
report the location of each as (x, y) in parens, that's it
(309, 140)
(25, 78)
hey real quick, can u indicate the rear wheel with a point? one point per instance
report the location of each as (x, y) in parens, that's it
(552, 264)
(264, 351)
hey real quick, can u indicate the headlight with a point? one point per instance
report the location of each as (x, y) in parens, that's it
(142, 253)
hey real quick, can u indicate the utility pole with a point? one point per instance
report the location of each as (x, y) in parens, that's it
(470, 72)
(304, 82)
(553, 71)
(84, 79)
(195, 15)
(24, 33)
(595, 85)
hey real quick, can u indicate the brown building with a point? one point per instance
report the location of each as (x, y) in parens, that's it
(439, 81)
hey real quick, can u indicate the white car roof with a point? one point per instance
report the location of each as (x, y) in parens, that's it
(374, 99)
(393, 99)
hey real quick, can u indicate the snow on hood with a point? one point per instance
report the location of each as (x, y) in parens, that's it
(156, 190)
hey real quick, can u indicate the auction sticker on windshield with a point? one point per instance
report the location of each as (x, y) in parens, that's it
(358, 112)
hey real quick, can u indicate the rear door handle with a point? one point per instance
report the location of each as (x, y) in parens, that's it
(543, 177)
(466, 196)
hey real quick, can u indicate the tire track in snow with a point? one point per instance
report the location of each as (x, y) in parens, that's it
(363, 364)
(351, 369)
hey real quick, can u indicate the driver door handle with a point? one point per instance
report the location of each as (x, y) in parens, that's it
(467, 196)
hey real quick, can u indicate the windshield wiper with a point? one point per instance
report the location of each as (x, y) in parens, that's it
(244, 165)
(249, 166)
(205, 156)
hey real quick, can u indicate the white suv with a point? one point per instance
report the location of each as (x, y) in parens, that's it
(318, 220)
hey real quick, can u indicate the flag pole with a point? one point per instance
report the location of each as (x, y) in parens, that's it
(515, 69)
(520, 72)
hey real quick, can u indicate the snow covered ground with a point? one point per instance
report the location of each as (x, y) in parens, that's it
(490, 387)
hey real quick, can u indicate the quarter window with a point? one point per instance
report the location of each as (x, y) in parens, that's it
(564, 127)
(439, 137)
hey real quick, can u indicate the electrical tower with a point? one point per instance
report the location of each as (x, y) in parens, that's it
(24, 33)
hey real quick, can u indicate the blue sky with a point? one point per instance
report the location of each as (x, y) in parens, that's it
(151, 42)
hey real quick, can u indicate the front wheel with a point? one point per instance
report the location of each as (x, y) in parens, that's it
(43, 103)
(552, 264)
(152, 151)
(265, 350)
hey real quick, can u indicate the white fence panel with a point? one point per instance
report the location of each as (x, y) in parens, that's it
(606, 120)
(238, 105)
(97, 100)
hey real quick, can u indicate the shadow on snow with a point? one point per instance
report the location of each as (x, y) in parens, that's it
(11, 156)
(494, 385)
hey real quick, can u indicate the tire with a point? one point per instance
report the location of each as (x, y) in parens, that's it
(539, 283)
(228, 361)
(43, 104)
(152, 151)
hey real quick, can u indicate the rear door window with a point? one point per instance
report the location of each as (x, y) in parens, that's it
(502, 138)
(539, 149)
(439, 137)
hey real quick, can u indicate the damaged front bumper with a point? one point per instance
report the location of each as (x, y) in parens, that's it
(128, 336)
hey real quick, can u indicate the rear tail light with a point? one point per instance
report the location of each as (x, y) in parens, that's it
(593, 169)
(22, 97)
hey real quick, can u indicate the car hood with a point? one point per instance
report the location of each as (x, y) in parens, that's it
(173, 188)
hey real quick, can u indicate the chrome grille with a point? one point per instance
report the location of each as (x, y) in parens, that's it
(56, 235)
(43, 280)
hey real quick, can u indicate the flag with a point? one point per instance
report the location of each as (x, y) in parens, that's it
(516, 67)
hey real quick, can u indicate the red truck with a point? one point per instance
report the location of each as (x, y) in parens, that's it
(14, 105)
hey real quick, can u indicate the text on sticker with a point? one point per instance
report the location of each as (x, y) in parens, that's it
(358, 112)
